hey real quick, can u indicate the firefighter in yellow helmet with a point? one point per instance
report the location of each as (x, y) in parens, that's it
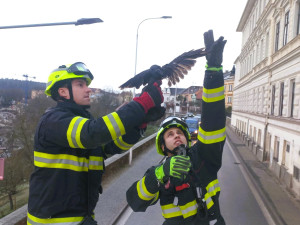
(70, 146)
(186, 183)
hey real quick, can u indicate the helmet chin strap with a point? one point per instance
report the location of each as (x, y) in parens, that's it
(179, 150)
(69, 85)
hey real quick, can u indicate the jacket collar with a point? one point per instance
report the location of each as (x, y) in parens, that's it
(75, 108)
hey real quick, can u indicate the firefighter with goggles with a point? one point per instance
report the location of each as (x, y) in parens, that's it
(70, 146)
(186, 183)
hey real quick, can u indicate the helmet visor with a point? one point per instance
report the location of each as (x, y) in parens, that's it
(80, 68)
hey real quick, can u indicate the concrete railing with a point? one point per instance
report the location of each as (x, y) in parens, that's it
(18, 217)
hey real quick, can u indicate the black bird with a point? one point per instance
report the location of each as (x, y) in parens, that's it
(173, 71)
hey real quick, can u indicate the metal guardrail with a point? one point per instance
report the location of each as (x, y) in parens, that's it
(19, 215)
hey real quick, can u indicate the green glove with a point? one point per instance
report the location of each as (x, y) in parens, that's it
(175, 166)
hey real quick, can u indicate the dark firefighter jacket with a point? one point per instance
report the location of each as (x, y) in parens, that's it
(181, 205)
(69, 151)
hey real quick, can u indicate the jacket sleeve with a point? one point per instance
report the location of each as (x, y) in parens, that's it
(143, 193)
(211, 133)
(69, 130)
(123, 143)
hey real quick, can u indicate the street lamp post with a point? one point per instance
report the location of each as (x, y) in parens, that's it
(137, 38)
(82, 21)
(136, 51)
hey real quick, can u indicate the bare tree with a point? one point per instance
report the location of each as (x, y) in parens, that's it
(13, 176)
(105, 104)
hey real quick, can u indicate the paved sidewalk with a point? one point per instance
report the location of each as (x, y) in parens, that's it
(283, 207)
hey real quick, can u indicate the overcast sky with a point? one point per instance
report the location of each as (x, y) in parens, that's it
(109, 48)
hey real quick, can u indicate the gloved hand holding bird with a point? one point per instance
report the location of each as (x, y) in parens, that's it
(173, 71)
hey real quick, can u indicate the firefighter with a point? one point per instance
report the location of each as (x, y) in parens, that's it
(70, 147)
(186, 182)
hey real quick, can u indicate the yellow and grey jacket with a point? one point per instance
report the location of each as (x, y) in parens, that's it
(69, 151)
(206, 156)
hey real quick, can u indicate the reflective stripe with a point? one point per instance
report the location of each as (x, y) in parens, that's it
(74, 131)
(122, 144)
(170, 210)
(32, 220)
(213, 95)
(189, 209)
(210, 137)
(155, 198)
(70, 162)
(114, 125)
(49, 83)
(212, 188)
(208, 200)
(143, 192)
(95, 163)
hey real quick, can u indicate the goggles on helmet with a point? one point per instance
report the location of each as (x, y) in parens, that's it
(80, 68)
(65, 72)
(172, 120)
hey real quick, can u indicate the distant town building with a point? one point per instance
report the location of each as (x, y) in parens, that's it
(228, 87)
(266, 102)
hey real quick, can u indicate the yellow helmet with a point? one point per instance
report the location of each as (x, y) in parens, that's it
(65, 72)
(169, 122)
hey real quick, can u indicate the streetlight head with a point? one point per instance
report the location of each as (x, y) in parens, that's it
(166, 17)
(88, 21)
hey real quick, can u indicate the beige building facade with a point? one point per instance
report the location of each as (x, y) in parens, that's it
(266, 102)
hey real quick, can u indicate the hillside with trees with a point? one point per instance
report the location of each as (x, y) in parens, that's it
(15, 90)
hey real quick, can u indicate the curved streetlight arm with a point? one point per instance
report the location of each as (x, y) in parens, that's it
(82, 21)
(137, 37)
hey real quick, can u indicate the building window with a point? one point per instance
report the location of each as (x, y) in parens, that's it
(276, 149)
(287, 147)
(298, 22)
(229, 99)
(273, 100)
(286, 27)
(262, 49)
(230, 87)
(277, 36)
(259, 137)
(292, 86)
(281, 98)
(296, 174)
(267, 45)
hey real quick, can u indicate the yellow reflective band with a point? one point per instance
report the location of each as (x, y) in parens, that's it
(209, 201)
(210, 137)
(70, 162)
(74, 131)
(156, 197)
(95, 163)
(213, 187)
(142, 191)
(189, 209)
(122, 144)
(170, 210)
(54, 221)
(114, 125)
(213, 95)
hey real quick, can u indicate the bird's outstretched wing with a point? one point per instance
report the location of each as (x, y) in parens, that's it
(173, 71)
